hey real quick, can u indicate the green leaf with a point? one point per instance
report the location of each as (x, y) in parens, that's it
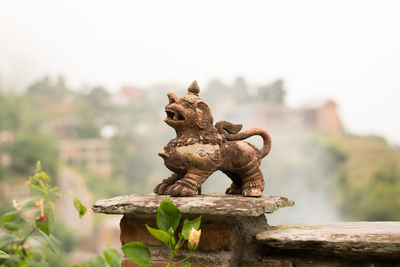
(112, 257)
(44, 175)
(55, 244)
(137, 252)
(159, 234)
(80, 265)
(186, 264)
(14, 225)
(168, 215)
(173, 241)
(79, 207)
(7, 240)
(97, 262)
(45, 224)
(188, 225)
(3, 255)
(9, 216)
(36, 189)
(34, 259)
(12, 221)
(13, 261)
(37, 255)
(52, 242)
(171, 231)
(38, 167)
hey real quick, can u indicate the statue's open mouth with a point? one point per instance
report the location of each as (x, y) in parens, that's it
(174, 115)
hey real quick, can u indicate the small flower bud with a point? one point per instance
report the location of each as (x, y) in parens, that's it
(38, 205)
(16, 205)
(194, 238)
(41, 217)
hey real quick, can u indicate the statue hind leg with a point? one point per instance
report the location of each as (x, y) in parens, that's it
(236, 183)
(253, 183)
(252, 179)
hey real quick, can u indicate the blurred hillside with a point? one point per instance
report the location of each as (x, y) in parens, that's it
(368, 181)
(103, 145)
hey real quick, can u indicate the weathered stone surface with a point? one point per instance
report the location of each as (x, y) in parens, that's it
(135, 230)
(269, 263)
(216, 236)
(210, 204)
(160, 255)
(125, 262)
(368, 239)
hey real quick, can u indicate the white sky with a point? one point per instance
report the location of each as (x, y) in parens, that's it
(345, 50)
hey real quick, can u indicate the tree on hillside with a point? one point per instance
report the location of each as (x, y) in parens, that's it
(28, 148)
(47, 88)
(215, 91)
(130, 157)
(98, 98)
(272, 93)
(10, 113)
(60, 84)
(240, 90)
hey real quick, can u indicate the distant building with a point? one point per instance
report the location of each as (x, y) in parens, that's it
(327, 118)
(127, 95)
(92, 154)
(320, 118)
(131, 92)
(323, 118)
(57, 107)
(62, 127)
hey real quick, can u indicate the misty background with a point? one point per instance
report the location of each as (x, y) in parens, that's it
(348, 51)
(83, 87)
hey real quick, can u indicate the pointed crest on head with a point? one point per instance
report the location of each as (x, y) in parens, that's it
(194, 88)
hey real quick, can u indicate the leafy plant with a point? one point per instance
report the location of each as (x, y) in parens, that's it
(111, 257)
(29, 227)
(29, 230)
(168, 218)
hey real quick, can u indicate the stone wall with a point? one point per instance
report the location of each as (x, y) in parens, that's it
(235, 233)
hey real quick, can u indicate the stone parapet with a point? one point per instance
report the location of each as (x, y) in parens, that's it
(235, 233)
(229, 224)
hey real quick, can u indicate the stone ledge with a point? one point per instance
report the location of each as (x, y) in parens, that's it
(210, 204)
(344, 239)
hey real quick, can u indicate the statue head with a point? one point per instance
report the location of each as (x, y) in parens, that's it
(188, 111)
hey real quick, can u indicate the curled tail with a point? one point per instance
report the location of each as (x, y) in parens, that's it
(232, 133)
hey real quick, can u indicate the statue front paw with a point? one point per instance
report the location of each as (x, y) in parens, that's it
(182, 188)
(162, 188)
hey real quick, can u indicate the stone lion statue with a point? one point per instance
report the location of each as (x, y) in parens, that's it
(200, 148)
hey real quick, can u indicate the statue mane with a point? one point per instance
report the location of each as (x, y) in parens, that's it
(210, 136)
